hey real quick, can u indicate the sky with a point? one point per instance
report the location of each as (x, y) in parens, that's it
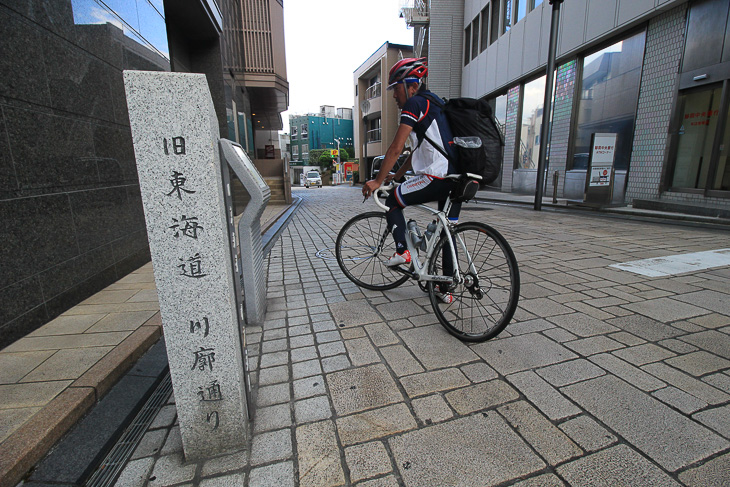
(327, 40)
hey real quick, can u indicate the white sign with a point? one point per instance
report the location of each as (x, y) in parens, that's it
(602, 155)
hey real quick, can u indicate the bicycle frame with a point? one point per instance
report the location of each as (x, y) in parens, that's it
(420, 269)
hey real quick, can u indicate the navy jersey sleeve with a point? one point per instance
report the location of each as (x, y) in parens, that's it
(414, 110)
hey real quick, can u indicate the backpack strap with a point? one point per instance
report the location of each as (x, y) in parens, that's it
(438, 147)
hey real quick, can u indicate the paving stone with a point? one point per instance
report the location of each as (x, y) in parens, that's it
(15, 366)
(627, 338)
(524, 352)
(719, 380)
(717, 419)
(713, 320)
(150, 444)
(311, 386)
(687, 383)
(593, 345)
(666, 310)
(714, 472)
(332, 348)
(485, 456)
(367, 460)
(699, 363)
(616, 466)
(711, 341)
(136, 472)
(669, 438)
(30, 395)
(225, 463)
(361, 352)
(354, 313)
(318, 455)
(565, 373)
(677, 346)
(547, 399)
(301, 341)
(544, 307)
(582, 325)
(686, 403)
(643, 354)
(707, 299)
(165, 417)
(401, 309)
(627, 372)
(300, 330)
(306, 369)
(481, 396)
(381, 334)
(545, 480)
(432, 409)
(551, 443)
(352, 332)
(529, 326)
(430, 382)
(274, 358)
(271, 446)
(303, 354)
(276, 475)
(173, 443)
(435, 348)
(588, 434)
(322, 326)
(357, 389)
(479, 372)
(171, 469)
(68, 325)
(333, 364)
(645, 327)
(312, 409)
(328, 336)
(274, 394)
(12, 419)
(273, 375)
(233, 480)
(272, 418)
(387, 481)
(274, 345)
(401, 361)
(374, 424)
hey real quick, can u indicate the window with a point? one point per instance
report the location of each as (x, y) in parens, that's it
(305, 151)
(484, 32)
(373, 134)
(305, 131)
(507, 15)
(467, 44)
(532, 109)
(699, 120)
(609, 90)
(521, 10)
(475, 37)
(295, 151)
(495, 20)
(293, 131)
(373, 90)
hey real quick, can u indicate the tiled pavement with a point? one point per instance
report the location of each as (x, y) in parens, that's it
(51, 377)
(604, 378)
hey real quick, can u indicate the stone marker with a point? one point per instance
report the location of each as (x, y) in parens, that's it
(175, 134)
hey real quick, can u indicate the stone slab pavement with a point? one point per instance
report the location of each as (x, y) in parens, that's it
(50, 378)
(604, 378)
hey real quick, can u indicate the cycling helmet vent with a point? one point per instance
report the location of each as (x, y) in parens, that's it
(409, 70)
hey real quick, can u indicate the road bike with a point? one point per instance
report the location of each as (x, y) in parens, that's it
(485, 282)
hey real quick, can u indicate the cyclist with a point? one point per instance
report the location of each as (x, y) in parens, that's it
(419, 117)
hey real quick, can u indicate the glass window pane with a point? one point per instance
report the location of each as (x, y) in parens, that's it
(694, 147)
(609, 93)
(705, 27)
(507, 15)
(484, 40)
(537, 2)
(467, 44)
(495, 20)
(722, 176)
(521, 10)
(475, 38)
(532, 109)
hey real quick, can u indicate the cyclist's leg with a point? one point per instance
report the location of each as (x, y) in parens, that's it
(447, 263)
(396, 222)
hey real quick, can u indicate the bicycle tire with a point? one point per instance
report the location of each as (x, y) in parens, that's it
(484, 303)
(363, 246)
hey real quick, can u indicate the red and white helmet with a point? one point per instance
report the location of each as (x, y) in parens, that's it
(408, 70)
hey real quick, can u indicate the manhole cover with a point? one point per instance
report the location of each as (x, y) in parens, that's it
(326, 254)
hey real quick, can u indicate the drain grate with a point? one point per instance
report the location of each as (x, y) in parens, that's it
(112, 465)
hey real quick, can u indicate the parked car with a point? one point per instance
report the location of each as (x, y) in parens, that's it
(377, 161)
(313, 179)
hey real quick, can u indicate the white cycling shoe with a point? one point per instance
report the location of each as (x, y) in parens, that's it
(446, 298)
(399, 259)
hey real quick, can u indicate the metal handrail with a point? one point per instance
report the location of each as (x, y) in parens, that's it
(373, 91)
(373, 135)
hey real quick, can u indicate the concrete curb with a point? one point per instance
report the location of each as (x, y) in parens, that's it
(27, 445)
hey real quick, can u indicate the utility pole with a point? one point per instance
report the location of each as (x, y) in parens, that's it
(547, 104)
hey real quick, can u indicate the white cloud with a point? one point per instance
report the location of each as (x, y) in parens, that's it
(327, 40)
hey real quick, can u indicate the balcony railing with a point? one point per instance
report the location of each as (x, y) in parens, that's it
(415, 12)
(372, 92)
(373, 135)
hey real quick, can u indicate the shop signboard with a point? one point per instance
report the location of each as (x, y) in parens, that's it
(599, 180)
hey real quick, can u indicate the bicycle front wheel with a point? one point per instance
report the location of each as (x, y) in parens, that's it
(486, 296)
(363, 247)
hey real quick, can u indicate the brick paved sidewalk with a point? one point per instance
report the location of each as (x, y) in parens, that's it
(604, 378)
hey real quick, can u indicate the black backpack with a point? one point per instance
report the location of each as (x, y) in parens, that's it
(469, 117)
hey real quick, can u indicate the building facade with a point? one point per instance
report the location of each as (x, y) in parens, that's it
(319, 131)
(654, 72)
(70, 202)
(376, 112)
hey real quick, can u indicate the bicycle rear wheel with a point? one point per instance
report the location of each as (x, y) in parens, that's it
(486, 297)
(363, 247)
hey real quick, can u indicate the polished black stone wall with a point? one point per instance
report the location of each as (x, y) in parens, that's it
(70, 206)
